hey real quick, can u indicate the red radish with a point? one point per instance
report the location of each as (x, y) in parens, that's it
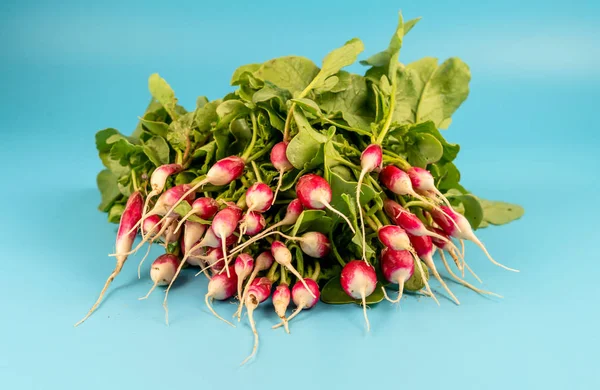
(293, 211)
(243, 266)
(315, 244)
(263, 262)
(423, 181)
(315, 194)
(394, 237)
(259, 291)
(283, 257)
(305, 295)
(223, 225)
(163, 271)
(158, 180)
(398, 266)
(281, 163)
(370, 160)
(221, 173)
(359, 280)
(399, 182)
(168, 198)
(259, 197)
(425, 250)
(464, 230)
(254, 223)
(408, 221)
(281, 300)
(131, 216)
(204, 208)
(213, 260)
(221, 287)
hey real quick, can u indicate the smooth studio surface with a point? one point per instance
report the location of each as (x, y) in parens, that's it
(528, 134)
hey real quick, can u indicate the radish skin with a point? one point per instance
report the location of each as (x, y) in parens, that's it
(370, 160)
(283, 257)
(263, 262)
(281, 163)
(314, 193)
(243, 266)
(281, 300)
(204, 208)
(422, 180)
(220, 287)
(125, 236)
(359, 280)
(258, 292)
(162, 271)
(398, 267)
(305, 295)
(223, 225)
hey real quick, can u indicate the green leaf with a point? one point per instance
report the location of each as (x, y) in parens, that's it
(206, 116)
(269, 92)
(389, 57)
(180, 131)
(333, 294)
(425, 150)
(473, 211)
(357, 239)
(415, 283)
(102, 138)
(230, 110)
(500, 213)
(339, 187)
(242, 133)
(327, 85)
(291, 73)
(309, 106)
(336, 60)
(305, 219)
(427, 91)
(107, 184)
(240, 75)
(114, 215)
(306, 147)
(162, 91)
(157, 150)
(450, 150)
(351, 104)
(157, 128)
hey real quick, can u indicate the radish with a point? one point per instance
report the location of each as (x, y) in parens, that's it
(293, 211)
(398, 267)
(465, 232)
(281, 301)
(370, 160)
(223, 225)
(281, 163)
(399, 182)
(221, 173)
(305, 295)
(315, 244)
(162, 271)
(263, 262)
(254, 223)
(243, 266)
(422, 181)
(132, 214)
(158, 180)
(461, 263)
(192, 234)
(259, 197)
(315, 194)
(283, 257)
(408, 221)
(259, 291)
(204, 208)
(150, 224)
(171, 235)
(425, 250)
(359, 280)
(220, 287)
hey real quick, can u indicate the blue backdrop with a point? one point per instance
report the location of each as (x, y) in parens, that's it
(528, 134)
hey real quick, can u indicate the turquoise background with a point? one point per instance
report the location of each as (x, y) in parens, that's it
(528, 134)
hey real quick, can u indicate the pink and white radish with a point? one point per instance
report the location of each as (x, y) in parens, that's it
(132, 214)
(370, 160)
(254, 223)
(399, 182)
(158, 180)
(221, 287)
(224, 225)
(305, 295)
(258, 292)
(425, 250)
(315, 194)
(422, 180)
(293, 211)
(221, 173)
(243, 266)
(204, 208)
(281, 163)
(283, 257)
(162, 271)
(398, 267)
(281, 300)
(259, 197)
(464, 230)
(358, 280)
(263, 262)
(192, 234)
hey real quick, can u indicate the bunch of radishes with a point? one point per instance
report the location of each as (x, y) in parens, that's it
(275, 192)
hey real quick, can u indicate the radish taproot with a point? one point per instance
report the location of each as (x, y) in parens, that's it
(204, 208)
(283, 257)
(131, 217)
(162, 271)
(281, 163)
(358, 280)
(263, 262)
(398, 266)
(305, 295)
(259, 291)
(221, 287)
(281, 300)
